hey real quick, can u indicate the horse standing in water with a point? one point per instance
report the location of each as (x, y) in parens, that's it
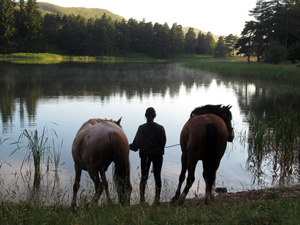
(204, 137)
(97, 144)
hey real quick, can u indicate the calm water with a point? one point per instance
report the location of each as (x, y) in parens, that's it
(63, 96)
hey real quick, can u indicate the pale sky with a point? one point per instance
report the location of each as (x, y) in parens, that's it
(221, 17)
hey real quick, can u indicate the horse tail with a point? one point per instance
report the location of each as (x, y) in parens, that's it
(211, 153)
(121, 173)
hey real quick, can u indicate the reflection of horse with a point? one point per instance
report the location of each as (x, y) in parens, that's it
(97, 144)
(204, 137)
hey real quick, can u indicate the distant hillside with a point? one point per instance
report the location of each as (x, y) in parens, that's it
(186, 29)
(85, 12)
(92, 13)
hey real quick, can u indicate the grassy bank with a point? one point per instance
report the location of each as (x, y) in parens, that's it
(272, 206)
(288, 74)
(48, 58)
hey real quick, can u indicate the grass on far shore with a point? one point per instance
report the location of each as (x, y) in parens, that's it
(48, 58)
(287, 73)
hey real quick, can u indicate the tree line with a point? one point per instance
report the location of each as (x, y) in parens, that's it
(274, 35)
(24, 29)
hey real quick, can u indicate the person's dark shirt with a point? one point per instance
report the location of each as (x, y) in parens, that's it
(150, 139)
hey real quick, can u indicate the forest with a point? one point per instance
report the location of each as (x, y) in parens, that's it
(274, 35)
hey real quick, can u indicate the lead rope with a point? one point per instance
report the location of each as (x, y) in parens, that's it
(170, 146)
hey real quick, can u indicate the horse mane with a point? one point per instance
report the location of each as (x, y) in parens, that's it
(97, 120)
(94, 121)
(213, 109)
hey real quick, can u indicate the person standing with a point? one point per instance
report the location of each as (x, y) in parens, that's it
(150, 139)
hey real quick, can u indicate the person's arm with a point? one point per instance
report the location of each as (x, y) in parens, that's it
(134, 146)
(163, 137)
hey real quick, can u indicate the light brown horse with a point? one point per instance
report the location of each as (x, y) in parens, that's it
(204, 137)
(97, 144)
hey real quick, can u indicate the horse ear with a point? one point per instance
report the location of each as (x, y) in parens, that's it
(225, 108)
(119, 121)
(229, 107)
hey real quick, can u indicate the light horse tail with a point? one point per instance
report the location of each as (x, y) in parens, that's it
(121, 171)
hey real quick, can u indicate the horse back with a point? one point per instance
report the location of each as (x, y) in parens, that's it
(93, 146)
(200, 132)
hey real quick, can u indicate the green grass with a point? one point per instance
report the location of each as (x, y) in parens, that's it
(280, 211)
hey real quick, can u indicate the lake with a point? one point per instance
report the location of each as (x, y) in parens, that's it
(61, 97)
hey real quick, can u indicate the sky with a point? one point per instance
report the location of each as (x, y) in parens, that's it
(220, 17)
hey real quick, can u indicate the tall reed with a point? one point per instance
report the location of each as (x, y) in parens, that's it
(275, 143)
(287, 141)
(258, 148)
(39, 151)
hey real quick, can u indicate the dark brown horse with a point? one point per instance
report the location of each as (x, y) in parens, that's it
(97, 144)
(204, 137)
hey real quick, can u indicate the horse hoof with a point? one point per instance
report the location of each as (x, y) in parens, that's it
(73, 207)
(180, 201)
(208, 200)
(174, 200)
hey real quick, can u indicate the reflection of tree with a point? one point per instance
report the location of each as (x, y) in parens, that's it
(7, 92)
(24, 85)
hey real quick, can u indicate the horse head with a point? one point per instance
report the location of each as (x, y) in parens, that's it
(227, 117)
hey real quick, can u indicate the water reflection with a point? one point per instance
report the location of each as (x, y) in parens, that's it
(22, 86)
(70, 93)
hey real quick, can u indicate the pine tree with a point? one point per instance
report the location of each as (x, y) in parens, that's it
(190, 41)
(209, 44)
(230, 42)
(160, 41)
(7, 26)
(201, 43)
(176, 40)
(221, 50)
(33, 23)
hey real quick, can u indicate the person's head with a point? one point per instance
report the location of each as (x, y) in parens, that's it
(150, 114)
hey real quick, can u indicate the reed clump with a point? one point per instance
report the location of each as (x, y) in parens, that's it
(275, 143)
(39, 150)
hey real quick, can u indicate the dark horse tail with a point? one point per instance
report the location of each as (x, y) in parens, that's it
(211, 154)
(121, 174)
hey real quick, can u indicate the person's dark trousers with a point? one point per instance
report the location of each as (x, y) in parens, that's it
(157, 161)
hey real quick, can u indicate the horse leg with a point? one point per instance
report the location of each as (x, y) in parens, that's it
(181, 177)
(105, 184)
(209, 175)
(191, 166)
(98, 184)
(76, 185)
